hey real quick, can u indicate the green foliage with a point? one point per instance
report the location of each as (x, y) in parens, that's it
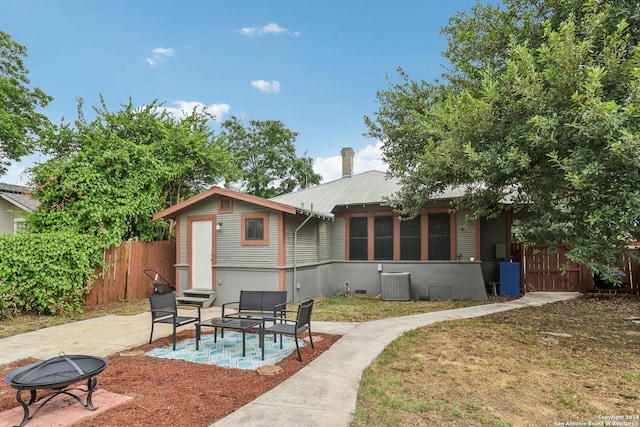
(45, 273)
(266, 154)
(540, 111)
(108, 177)
(20, 124)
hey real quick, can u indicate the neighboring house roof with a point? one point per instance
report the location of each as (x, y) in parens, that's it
(371, 187)
(173, 210)
(18, 196)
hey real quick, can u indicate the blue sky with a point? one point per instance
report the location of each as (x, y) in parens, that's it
(315, 66)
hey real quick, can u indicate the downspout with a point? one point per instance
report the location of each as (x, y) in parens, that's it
(295, 252)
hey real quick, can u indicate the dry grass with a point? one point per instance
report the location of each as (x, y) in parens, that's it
(575, 361)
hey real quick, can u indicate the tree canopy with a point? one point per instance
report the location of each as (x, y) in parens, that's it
(266, 153)
(20, 123)
(109, 176)
(539, 110)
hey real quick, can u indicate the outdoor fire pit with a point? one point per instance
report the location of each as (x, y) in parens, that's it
(56, 374)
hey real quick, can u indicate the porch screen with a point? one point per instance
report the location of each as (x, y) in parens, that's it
(410, 241)
(383, 237)
(439, 237)
(358, 238)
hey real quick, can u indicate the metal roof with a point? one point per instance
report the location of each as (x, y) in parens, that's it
(18, 196)
(370, 187)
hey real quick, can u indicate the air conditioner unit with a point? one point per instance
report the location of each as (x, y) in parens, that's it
(396, 286)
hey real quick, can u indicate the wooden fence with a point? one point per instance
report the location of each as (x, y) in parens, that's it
(124, 277)
(543, 269)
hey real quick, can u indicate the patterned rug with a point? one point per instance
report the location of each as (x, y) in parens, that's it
(227, 352)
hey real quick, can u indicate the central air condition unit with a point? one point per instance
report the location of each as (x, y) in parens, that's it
(396, 286)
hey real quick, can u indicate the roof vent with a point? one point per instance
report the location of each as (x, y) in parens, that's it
(347, 161)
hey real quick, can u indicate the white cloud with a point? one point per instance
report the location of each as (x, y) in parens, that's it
(159, 54)
(267, 87)
(271, 28)
(369, 158)
(185, 108)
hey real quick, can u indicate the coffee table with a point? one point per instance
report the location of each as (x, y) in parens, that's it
(237, 324)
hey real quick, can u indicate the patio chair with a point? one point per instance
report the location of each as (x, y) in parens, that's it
(164, 309)
(295, 327)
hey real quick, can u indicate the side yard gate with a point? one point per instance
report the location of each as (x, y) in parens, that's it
(124, 276)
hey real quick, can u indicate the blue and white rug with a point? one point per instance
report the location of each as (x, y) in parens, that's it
(227, 352)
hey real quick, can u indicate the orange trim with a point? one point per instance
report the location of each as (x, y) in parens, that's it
(282, 242)
(178, 259)
(347, 233)
(228, 193)
(190, 221)
(265, 237)
(370, 231)
(221, 209)
(452, 242)
(396, 237)
(424, 235)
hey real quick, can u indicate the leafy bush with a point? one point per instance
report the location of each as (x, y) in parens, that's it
(45, 273)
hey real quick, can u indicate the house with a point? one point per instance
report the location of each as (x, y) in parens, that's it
(333, 238)
(14, 202)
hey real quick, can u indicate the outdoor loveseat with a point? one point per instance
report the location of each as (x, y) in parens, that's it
(258, 304)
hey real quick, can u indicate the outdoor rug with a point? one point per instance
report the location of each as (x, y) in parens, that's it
(227, 352)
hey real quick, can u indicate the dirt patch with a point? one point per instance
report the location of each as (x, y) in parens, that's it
(576, 361)
(166, 391)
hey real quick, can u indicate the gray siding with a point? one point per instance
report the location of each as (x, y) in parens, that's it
(336, 235)
(7, 218)
(465, 237)
(305, 248)
(324, 240)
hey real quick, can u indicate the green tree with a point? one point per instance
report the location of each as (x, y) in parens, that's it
(20, 124)
(541, 112)
(108, 177)
(266, 154)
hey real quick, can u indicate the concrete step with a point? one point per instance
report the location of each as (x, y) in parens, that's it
(202, 297)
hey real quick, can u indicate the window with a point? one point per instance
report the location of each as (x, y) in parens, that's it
(358, 238)
(383, 237)
(225, 205)
(439, 237)
(255, 229)
(410, 241)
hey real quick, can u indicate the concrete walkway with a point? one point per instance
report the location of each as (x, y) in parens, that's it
(322, 393)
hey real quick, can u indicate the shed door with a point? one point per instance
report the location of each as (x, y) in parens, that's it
(202, 251)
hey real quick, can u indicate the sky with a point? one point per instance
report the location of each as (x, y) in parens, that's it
(314, 66)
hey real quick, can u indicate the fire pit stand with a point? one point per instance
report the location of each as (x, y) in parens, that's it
(55, 374)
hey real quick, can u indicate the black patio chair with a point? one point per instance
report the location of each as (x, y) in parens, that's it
(164, 309)
(295, 327)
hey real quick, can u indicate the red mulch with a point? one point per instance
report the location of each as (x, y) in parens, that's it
(174, 392)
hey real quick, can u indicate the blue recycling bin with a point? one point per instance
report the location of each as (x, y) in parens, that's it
(510, 279)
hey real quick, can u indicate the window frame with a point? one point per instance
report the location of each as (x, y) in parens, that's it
(243, 229)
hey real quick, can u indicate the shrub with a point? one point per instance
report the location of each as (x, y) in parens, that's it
(45, 273)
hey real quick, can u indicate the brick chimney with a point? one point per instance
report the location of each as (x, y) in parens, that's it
(347, 161)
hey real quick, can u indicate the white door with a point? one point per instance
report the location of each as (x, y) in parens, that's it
(201, 254)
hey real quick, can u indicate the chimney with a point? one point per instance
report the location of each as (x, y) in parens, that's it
(347, 161)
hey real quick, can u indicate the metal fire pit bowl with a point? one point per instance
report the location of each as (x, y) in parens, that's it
(56, 374)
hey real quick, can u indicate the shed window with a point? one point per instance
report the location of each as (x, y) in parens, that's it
(358, 238)
(410, 241)
(439, 236)
(383, 238)
(255, 229)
